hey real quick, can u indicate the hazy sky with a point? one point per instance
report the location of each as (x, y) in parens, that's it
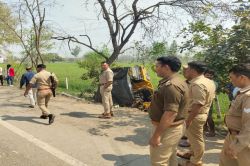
(72, 17)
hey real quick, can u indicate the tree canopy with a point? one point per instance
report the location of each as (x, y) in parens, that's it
(219, 47)
(6, 33)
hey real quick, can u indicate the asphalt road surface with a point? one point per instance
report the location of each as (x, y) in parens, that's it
(77, 137)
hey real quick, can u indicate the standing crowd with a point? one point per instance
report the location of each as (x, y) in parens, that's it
(7, 75)
(183, 107)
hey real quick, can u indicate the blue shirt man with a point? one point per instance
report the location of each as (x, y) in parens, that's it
(26, 77)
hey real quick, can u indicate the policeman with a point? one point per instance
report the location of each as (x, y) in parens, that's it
(236, 150)
(167, 112)
(202, 93)
(106, 81)
(43, 81)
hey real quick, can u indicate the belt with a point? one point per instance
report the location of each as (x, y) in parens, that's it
(199, 112)
(103, 84)
(43, 89)
(174, 124)
(233, 132)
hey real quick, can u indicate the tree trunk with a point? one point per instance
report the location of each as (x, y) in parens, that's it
(113, 57)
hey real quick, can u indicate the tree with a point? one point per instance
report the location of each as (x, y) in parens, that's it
(92, 64)
(158, 49)
(52, 57)
(30, 29)
(75, 52)
(220, 48)
(123, 19)
(142, 52)
(6, 34)
(173, 49)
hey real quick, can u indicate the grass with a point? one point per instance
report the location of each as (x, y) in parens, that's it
(73, 73)
(224, 105)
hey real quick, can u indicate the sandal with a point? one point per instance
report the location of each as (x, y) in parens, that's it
(105, 116)
(186, 156)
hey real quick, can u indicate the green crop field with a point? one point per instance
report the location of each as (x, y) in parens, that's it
(73, 73)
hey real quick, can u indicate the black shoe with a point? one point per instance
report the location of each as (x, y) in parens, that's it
(44, 117)
(51, 118)
(31, 106)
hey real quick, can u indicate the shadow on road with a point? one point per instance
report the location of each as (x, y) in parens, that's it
(79, 115)
(15, 105)
(141, 137)
(128, 160)
(125, 119)
(23, 118)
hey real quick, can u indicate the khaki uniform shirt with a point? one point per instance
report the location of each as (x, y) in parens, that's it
(171, 95)
(202, 91)
(106, 76)
(42, 79)
(238, 118)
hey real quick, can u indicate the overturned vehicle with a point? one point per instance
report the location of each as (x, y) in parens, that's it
(131, 87)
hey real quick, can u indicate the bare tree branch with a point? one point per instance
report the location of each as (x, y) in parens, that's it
(75, 40)
(122, 26)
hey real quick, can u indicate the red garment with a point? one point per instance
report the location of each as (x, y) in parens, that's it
(11, 72)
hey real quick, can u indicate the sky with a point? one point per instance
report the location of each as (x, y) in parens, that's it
(72, 17)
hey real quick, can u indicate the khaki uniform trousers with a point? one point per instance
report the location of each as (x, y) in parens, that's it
(196, 138)
(43, 97)
(165, 154)
(243, 158)
(107, 101)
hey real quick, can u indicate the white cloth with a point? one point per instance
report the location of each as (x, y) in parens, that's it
(1, 71)
(32, 96)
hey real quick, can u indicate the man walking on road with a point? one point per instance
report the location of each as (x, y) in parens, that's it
(1, 76)
(106, 81)
(236, 150)
(10, 75)
(202, 93)
(167, 112)
(26, 77)
(44, 84)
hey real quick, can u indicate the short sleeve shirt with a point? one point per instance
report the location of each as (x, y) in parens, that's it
(106, 76)
(238, 118)
(202, 91)
(42, 79)
(171, 95)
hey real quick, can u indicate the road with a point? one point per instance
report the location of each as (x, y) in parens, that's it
(78, 137)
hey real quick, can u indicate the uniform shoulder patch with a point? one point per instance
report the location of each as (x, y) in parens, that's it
(247, 93)
(167, 83)
(247, 110)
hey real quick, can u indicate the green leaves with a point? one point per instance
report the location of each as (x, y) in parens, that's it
(220, 48)
(7, 23)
